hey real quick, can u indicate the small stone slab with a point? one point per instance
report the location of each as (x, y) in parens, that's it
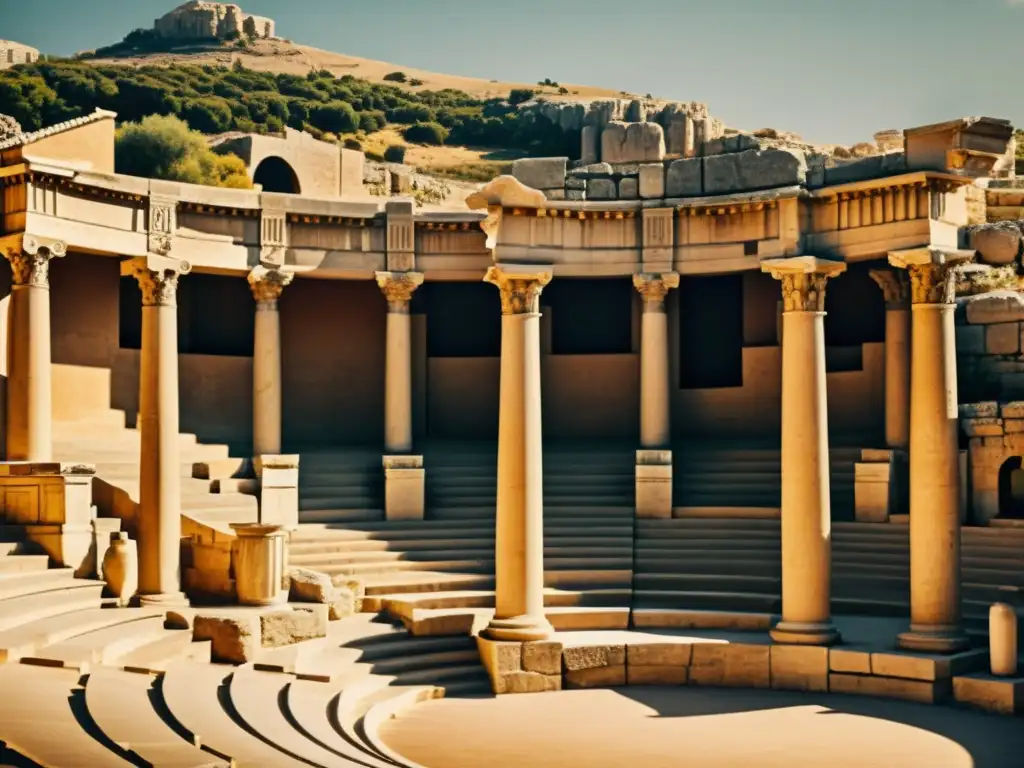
(499, 657)
(233, 639)
(730, 665)
(655, 675)
(928, 667)
(596, 677)
(799, 667)
(850, 661)
(295, 625)
(923, 692)
(584, 657)
(1004, 695)
(659, 655)
(526, 682)
(544, 657)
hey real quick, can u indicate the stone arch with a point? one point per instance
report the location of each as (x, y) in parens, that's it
(1009, 504)
(276, 175)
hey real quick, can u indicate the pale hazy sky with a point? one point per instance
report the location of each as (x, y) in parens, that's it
(832, 70)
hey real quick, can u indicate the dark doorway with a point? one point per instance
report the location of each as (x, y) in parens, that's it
(275, 175)
(1011, 504)
(711, 332)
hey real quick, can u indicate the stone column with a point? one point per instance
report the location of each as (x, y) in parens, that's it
(159, 523)
(267, 285)
(896, 290)
(655, 419)
(29, 387)
(398, 288)
(934, 453)
(806, 509)
(519, 534)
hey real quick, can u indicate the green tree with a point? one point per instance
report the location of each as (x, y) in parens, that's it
(426, 133)
(163, 147)
(334, 116)
(395, 154)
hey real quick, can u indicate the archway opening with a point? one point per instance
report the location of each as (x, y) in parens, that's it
(1011, 488)
(275, 175)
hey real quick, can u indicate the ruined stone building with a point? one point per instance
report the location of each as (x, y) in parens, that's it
(12, 53)
(732, 386)
(199, 19)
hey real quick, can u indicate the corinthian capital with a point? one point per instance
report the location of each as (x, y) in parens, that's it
(158, 278)
(895, 287)
(267, 284)
(520, 287)
(30, 264)
(654, 288)
(933, 272)
(398, 288)
(803, 281)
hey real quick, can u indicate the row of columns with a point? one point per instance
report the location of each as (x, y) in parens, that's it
(930, 433)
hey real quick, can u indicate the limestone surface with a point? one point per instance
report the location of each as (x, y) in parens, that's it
(632, 143)
(753, 170)
(541, 173)
(684, 178)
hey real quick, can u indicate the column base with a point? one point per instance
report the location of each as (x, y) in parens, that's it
(404, 488)
(933, 638)
(805, 633)
(523, 629)
(162, 600)
(654, 484)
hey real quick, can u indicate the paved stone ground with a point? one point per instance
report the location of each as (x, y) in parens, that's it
(710, 728)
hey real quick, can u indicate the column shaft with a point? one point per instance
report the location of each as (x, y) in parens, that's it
(655, 407)
(519, 532)
(897, 377)
(398, 383)
(266, 380)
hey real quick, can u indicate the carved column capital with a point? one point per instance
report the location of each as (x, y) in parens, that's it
(933, 272)
(398, 288)
(803, 281)
(654, 287)
(267, 285)
(520, 287)
(895, 287)
(158, 278)
(30, 264)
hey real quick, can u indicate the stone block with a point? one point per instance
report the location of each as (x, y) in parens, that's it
(872, 491)
(983, 427)
(603, 170)
(583, 657)
(575, 182)
(684, 178)
(404, 488)
(730, 665)
(498, 657)
(1002, 339)
(526, 682)
(753, 170)
(601, 189)
(600, 677)
(986, 410)
(994, 307)
(873, 167)
(997, 243)
(555, 194)
(654, 491)
(293, 625)
(1013, 426)
(308, 586)
(923, 692)
(652, 181)
(849, 661)
(1004, 695)
(575, 194)
(541, 172)
(632, 143)
(929, 667)
(970, 339)
(799, 668)
(659, 655)
(344, 603)
(590, 144)
(629, 188)
(543, 656)
(1013, 410)
(233, 639)
(654, 675)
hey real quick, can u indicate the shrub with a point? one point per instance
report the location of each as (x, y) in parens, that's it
(415, 82)
(519, 95)
(395, 154)
(396, 77)
(372, 121)
(426, 133)
(335, 116)
(163, 147)
(351, 143)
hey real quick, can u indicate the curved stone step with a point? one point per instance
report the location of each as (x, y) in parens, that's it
(387, 707)
(19, 583)
(75, 595)
(127, 708)
(28, 638)
(154, 656)
(43, 717)
(259, 699)
(197, 696)
(103, 646)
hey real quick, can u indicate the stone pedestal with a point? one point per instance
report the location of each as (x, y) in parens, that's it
(896, 289)
(267, 285)
(159, 523)
(1002, 640)
(806, 511)
(879, 485)
(29, 380)
(279, 489)
(519, 535)
(54, 504)
(398, 288)
(259, 563)
(654, 484)
(934, 454)
(404, 488)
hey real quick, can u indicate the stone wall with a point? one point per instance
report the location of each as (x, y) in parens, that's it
(12, 53)
(198, 19)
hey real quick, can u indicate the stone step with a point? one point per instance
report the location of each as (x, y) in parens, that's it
(23, 563)
(43, 716)
(332, 503)
(153, 657)
(192, 693)
(481, 566)
(76, 594)
(421, 581)
(679, 618)
(715, 600)
(334, 515)
(424, 662)
(27, 638)
(365, 558)
(126, 708)
(21, 583)
(102, 646)
(709, 582)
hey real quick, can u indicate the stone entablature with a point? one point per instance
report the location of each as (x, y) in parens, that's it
(12, 53)
(198, 19)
